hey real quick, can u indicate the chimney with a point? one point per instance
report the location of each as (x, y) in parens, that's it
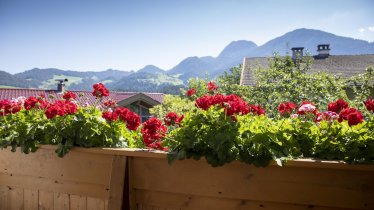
(323, 50)
(297, 52)
(61, 85)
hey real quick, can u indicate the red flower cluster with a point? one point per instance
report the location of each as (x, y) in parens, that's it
(69, 96)
(191, 92)
(353, 116)
(153, 131)
(132, 119)
(100, 90)
(9, 107)
(370, 104)
(110, 103)
(110, 116)
(256, 109)
(61, 108)
(232, 104)
(212, 86)
(337, 106)
(172, 118)
(286, 109)
(35, 102)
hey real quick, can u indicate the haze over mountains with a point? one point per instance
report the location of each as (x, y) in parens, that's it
(153, 79)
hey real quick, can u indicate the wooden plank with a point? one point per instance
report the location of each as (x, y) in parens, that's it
(106, 205)
(75, 166)
(174, 201)
(45, 184)
(31, 199)
(307, 186)
(15, 199)
(132, 188)
(3, 197)
(46, 200)
(117, 181)
(78, 202)
(61, 201)
(135, 152)
(95, 204)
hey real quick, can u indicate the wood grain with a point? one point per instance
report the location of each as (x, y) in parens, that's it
(31, 199)
(289, 185)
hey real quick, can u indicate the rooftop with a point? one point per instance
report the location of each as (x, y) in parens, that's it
(83, 97)
(344, 65)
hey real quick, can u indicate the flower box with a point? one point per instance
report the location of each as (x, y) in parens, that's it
(95, 179)
(84, 179)
(301, 184)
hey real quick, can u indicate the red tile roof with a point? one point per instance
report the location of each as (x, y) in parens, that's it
(83, 97)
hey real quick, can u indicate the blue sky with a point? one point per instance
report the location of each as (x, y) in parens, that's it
(127, 35)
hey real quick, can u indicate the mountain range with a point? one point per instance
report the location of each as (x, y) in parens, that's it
(154, 79)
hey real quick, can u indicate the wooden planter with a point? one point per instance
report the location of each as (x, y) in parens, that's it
(303, 184)
(96, 179)
(83, 179)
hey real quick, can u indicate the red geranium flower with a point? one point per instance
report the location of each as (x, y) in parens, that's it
(100, 90)
(212, 86)
(69, 95)
(337, 106)
(61, 108)
(232, 104)
(31, 102)
(370, 104)
(204, 102)
(353, 116)
(286, 108)
(257, 109)
(9, 107)
(110, 116)
(122, 112)
(190, 92)
(153, 132)
(172, 118)
(55, 109)
(35, 102)
(132, 119)
(71, 107)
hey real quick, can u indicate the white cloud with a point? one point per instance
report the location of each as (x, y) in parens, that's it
(361, 30)
(371, 28)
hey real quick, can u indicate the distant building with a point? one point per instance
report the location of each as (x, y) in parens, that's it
(137, 102)
(344, 65)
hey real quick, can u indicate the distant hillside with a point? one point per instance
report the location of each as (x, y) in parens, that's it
(153, 79)
(45, 78)
(10, 80)
(151, 69)
(144, 81)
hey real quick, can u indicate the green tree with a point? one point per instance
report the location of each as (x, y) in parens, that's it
(286, 80)
(172, 103)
